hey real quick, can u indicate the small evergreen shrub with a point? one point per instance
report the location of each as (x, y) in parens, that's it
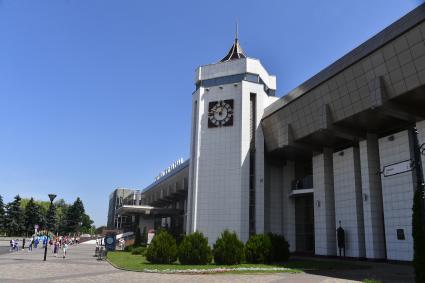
(137, 238)
(418, 234)
(144, 235)
(163, 248)
(128, 248)
(138, 251)
(280, 248)
(194, 249)
(228, 249)
(258, 249)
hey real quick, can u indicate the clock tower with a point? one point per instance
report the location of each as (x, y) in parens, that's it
(226, 173)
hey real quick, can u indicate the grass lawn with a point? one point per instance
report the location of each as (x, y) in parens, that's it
(127, 261)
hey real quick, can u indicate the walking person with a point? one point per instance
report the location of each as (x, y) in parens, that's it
(55, 249)
(65, 248)
(30, 245)
(23, 243)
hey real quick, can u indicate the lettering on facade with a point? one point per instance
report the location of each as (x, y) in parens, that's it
(169, 169)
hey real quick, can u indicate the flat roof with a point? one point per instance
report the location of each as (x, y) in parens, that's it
(390, 33)
(179, 168)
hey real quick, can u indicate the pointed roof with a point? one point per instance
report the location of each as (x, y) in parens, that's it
(236, 51)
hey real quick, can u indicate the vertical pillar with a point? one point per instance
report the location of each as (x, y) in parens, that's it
(398, 186)
(274, 197)
(420, 126)
(348, 200)
(324, 204)
(288, 205)
(373, 213)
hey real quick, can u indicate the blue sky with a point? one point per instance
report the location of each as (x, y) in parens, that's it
(96, 94)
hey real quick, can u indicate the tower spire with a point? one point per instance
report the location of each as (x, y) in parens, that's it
(236, 51)
(237, 31)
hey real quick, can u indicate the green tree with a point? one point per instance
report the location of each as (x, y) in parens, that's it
(2, 215)
(61, 214)
(33, 215)
(74, 216)
(51, 218)
(418, 238)
(86, 223)
(15, 221)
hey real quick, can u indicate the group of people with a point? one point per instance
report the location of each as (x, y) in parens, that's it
(58, 243)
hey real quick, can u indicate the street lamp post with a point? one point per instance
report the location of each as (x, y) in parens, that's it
(51, 197)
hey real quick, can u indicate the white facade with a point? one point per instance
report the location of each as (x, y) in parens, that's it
(220, 156)
(349, 186)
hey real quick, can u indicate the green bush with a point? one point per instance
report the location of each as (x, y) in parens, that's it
(418, 234)
(280, 248)
(163, 248)
(145, 235)
(137, 238)
(194, 249)
(128, 248)
(228, 249)
(138, 251)
(258, 249)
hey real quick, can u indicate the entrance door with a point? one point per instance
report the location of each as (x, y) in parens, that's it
(304, 223)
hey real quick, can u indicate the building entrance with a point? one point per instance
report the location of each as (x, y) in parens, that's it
(304, 223)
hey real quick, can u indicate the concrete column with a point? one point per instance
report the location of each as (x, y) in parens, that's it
(373, 213)
(274, 197)
(398, 186)
(259, 184)
(288, 205)
(324, 204)
(348, 200)
(420, 126)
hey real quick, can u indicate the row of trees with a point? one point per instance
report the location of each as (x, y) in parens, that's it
(19, 217)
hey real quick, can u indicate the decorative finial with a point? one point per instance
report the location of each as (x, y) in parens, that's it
(237, 31)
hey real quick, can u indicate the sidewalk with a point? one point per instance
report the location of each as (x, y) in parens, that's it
(80, 266)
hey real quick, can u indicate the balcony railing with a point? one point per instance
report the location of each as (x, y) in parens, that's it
(303, 183)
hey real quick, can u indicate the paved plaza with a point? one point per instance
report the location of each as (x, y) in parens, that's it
(80, 266)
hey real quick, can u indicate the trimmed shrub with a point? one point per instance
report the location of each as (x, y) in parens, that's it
(258, 249)
(138, 251)
(137, 238)
(418, 234)
(280, 248)
(194, 249)
(145, 235)
(163, 248)
(128, 248)
(228, 249)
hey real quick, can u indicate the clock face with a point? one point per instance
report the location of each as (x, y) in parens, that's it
(220, 113)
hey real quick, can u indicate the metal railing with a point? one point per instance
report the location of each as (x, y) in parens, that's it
(305, 182)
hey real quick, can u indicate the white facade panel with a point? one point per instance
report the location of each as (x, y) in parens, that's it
(348, 200)
(397, 192)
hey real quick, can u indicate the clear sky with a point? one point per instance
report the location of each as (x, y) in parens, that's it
(96, 94)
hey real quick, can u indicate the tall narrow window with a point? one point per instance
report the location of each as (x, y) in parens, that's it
(252, 127)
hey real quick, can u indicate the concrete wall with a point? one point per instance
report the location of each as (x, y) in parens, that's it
(397, 192)
(324, 204)
(372, 198)
(348, 200)
(288, 204)
(420, 126)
